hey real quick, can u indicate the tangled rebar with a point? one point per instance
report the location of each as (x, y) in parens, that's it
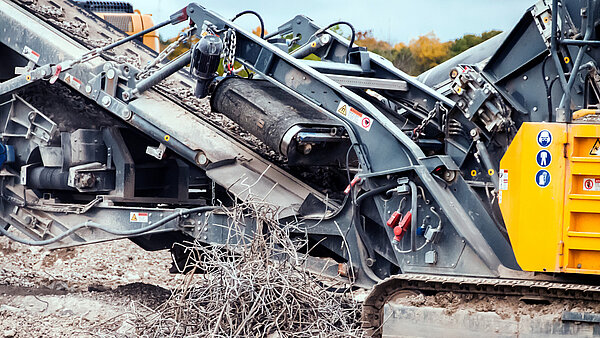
(252, 286)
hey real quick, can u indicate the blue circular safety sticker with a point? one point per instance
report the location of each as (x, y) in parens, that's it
(544, 138)
(543, 158)
(542, 178)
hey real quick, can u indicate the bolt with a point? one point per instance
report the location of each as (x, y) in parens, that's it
(524, 77)
(547, 78)
(88, 89)
(126, 114)
(191, 10)
(486, 91)
(126, 96)
(106, 101)
(201, 158)
(535, 109)
(110, 74)
(205, 237)
(473, 132)
(306, 149)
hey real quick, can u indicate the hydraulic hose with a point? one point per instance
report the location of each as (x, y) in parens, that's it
(262, 23)
(89, 224)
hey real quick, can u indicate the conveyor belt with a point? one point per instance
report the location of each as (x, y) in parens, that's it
(61, 30)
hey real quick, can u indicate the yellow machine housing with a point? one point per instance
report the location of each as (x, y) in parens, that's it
(132, 23)
(553, 217)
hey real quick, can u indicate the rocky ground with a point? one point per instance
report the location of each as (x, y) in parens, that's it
(93, 290)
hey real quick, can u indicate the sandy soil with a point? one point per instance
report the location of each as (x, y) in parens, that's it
(79, 292)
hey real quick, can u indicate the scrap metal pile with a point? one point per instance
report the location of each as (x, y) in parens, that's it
(251, 289)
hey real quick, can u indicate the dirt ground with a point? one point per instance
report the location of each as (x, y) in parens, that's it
(92, 290)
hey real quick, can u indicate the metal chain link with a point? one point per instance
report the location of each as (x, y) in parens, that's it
(229, 50)
(419, 129)
(183, 36)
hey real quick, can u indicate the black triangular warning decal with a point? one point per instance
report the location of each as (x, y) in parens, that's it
(595, 151)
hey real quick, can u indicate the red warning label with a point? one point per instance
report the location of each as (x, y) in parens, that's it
(31, 54)
(138, 217)
(591, 184)
(354, 116)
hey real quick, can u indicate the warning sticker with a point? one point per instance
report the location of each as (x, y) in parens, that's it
(595, 151)
(503, 179)
(31, 54)
(355, 116)
(73, 81)
(591, 184)
(139, 217)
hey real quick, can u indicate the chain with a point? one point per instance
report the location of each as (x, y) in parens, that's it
(229, 51)
(419, 129)
(183, 36)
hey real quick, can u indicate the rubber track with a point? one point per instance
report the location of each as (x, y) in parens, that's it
(372, 311)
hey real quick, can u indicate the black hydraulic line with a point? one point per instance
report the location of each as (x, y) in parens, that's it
(375, 191)
(131, 37)
(554, 47)
(588, 21)
(352, 38)
(262, 23)
(548, 99)
(101, 227)
(356, 213)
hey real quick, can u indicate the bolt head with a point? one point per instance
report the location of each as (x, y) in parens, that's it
(88, 89)
(201, 158)
(525, 77)
(110, 73)
(106, 101)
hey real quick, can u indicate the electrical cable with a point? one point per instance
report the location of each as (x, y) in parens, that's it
(262, 23)
(101, 227)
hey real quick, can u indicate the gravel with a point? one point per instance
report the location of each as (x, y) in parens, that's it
(84, 291)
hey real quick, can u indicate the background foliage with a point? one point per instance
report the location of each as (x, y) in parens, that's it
(419, 55)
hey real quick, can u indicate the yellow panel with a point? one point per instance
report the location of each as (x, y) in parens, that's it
(533, 213)
(582, 206)
(586, 261)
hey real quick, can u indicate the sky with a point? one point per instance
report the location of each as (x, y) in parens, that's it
(392, 20)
